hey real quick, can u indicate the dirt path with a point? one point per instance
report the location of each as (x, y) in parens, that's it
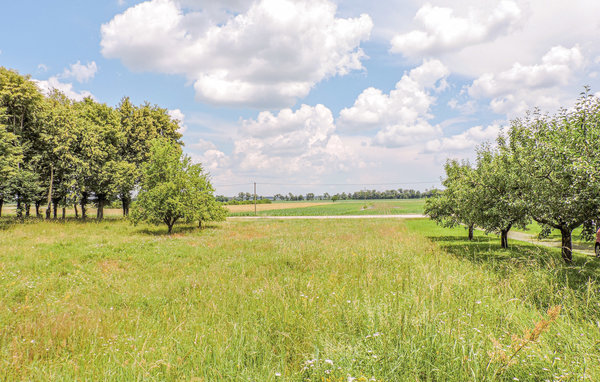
(522, 236)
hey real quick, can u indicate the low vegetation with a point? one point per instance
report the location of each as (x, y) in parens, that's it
(290, 300)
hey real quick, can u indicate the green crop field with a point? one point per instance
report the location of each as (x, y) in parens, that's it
(348, 207)
(316, 300)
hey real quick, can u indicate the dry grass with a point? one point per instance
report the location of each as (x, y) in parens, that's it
(271, 206)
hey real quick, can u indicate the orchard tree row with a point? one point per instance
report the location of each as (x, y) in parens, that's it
(55, 152)
(544, 168)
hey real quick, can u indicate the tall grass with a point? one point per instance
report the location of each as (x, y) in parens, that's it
(286, 300)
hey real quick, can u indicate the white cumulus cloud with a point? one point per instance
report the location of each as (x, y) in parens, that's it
(268, 56)
(46, 86)
(178, 115)
(81, 73)
(442, 31)
(524, 86)
(402, 116)
(465, 141)
(291, 141)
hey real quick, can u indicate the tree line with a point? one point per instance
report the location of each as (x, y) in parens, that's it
(544, 168)
(56, 152)
(360, 195)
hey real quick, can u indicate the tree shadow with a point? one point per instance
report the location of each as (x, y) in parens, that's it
(178, 230)
(486, 251)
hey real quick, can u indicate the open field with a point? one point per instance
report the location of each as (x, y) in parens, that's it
(346, 207)
(288, 300)
(249, 208)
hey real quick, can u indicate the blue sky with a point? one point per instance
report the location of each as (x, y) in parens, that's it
(315, 95)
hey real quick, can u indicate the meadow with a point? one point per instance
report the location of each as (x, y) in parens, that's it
(302, 300)
(345, 207)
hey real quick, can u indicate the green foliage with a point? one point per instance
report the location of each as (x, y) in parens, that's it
(173, 189)
(10, 155)
(559, 160)
(546, 168)
(455, 205)
(77, 151)
(497, 191)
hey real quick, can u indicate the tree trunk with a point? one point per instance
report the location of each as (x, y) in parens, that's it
(200, 224)
(100, 212)
(170, 225)
(54, 210)
(27, 209)
(1, 203)
(504, 238)
(37, 209)
(19, 209)
(83, 203)
(471, 228)
(64, 213)
(567, 245)
(50, 192)
(76, 211)
(125, 200)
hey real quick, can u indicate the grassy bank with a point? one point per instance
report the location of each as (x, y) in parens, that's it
(292, 300)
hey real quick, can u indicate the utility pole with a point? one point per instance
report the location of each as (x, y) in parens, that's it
(254, 198)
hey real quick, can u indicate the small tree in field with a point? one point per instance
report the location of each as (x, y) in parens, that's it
(173, 189)
(455, 205)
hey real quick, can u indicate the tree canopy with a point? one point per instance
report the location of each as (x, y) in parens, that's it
(60, 152)
(174, 189)
(546, 168)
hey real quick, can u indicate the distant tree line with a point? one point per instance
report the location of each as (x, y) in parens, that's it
(55, 152)
(243, 197)
(545, 168)
(359, 195)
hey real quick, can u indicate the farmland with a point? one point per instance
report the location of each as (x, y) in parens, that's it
(289, 300)
(349, 207)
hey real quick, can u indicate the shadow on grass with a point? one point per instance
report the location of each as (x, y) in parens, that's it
(486, 250)
(178, 230)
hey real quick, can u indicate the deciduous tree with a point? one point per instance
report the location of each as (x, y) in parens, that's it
(173, 189)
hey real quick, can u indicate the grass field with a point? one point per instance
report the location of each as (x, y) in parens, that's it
(299, 300)
(346, 207)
